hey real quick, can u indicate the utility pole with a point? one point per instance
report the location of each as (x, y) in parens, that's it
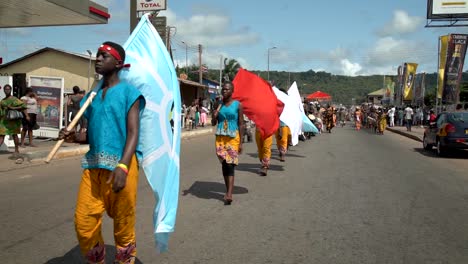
(200, 71)
(168, 38)
(186, 65)
(133, 15)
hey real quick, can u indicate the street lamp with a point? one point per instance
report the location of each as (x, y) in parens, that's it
(186, 66)
(268, 69)
(89, 68)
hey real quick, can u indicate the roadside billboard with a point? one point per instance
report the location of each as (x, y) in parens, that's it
(49, 91)
(439, 9)
(456, 50)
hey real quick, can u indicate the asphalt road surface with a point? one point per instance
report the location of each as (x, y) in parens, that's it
(346, 197)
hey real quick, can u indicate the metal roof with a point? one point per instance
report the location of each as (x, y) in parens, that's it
(32, 13)
(192, 83)
(44, 50)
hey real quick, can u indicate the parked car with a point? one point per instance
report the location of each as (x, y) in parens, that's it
(450, 131)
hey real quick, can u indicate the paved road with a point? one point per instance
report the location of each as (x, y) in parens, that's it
(346, 197)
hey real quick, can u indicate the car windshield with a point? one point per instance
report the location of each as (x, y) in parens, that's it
(460, 117)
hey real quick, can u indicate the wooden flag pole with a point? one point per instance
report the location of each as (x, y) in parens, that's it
(71, 126)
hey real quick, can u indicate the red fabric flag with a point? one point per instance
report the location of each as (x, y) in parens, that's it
(258, 101)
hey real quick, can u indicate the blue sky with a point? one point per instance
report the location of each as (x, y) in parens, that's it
(359, 37)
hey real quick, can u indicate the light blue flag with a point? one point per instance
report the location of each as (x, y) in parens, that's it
(152, 72)
(307, 125)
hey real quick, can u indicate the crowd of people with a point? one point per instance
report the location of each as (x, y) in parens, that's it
(196, 114)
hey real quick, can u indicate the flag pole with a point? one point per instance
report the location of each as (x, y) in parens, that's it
(71, 126)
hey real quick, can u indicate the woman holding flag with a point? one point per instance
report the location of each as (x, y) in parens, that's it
(228, 117)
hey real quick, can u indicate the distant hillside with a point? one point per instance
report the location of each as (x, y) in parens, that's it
(342, 88)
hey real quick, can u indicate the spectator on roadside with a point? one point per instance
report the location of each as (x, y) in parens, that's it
(400, 116)
(409, 117)
(30, 99)
(391, 115)
(192, 114)
(459, 108)
(432, 117)
(11, 127)
(74, 105)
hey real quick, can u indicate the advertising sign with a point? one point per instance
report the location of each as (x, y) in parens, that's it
(8, 141)
(449, 7)
(443, 44)
(409, 80)
(456, 51)
(49, 91)
(151, 5)
(389, 86)
(399, 85)
(419, 89)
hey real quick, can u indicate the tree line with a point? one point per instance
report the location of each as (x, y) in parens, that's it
(343, 89)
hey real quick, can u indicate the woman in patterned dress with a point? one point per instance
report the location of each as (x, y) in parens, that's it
(229, 120)
(11, 127)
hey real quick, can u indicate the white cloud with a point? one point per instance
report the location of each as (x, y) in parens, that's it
(390, 51)
(349, 68)
(402, 23)
(212, 30)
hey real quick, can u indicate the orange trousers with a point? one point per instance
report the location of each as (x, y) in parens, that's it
(264, 148)
(282, 138)
(96, 196)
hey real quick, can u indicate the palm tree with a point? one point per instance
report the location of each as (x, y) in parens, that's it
(231, 66)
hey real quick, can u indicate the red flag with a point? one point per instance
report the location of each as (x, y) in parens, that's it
(258, 101)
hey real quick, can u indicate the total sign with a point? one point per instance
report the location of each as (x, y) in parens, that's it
(151, 5)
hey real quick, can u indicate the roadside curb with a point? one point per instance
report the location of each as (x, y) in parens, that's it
(406, 134)
(40, 156)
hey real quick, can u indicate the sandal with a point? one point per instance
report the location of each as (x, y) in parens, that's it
(263, 171)
(227, 201)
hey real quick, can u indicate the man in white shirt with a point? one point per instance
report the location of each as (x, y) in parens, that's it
(409, 117)
(391, 115)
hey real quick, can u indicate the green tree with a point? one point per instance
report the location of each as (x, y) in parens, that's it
(464, 92)
(231, 66)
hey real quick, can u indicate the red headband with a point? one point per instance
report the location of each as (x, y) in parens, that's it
(112, 51)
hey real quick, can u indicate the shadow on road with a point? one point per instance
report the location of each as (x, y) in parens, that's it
(254, 167)
(74, 257)
(211, 190)
(453, 154)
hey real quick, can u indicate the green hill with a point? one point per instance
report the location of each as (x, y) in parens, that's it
(342, 88)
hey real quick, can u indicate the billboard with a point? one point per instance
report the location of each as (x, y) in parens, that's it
(419, 89)
(409, 76)
(399, 85)
(443, 44)
(447, 9)
(49, 91)
(151, 5)
(456, 50)
(389, 86)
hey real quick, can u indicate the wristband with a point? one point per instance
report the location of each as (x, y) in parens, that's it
(123, 167)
